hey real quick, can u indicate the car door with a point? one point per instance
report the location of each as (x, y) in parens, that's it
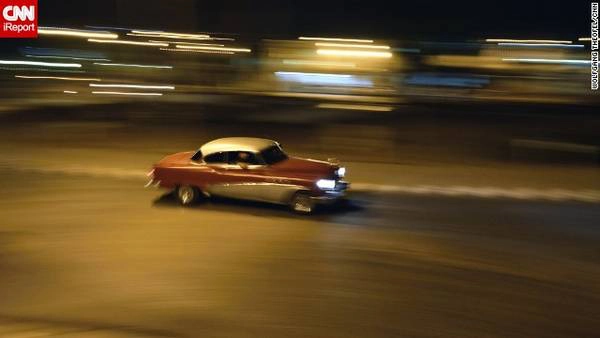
(239, 174)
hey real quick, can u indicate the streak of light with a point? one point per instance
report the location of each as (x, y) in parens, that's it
(59, 70)
(355, 53)
(221, 49)
(585, 39)
(349, 45)
(36, 63)
(64, 57)
(169, 35)
(527, 41)
(196, 51)
(132, 65)
(319, 63)
(334, 39)
(126, 93)
(550, 61)
(189, 43)
(56, 78)
(76, 33)
(131, 86)
(518, 44)
(127, 42)
(324, 79)
(69, 92)
(355, 107)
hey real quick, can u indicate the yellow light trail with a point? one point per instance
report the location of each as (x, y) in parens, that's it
(36, 63)
(131, 86)
(528, 41)
(354, 53)
(196, 51)
(189, 43)
(126, 93)
(355, 107)
(334, 39)
(56, 78)
(77, 33)
(127, 42)
(132, 65)
(347, 45)
(69, 92)
(221, 49)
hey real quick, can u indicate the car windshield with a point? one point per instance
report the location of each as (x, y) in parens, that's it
(273, 155)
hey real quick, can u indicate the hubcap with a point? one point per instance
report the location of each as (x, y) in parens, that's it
(303, 204)
(186, 194)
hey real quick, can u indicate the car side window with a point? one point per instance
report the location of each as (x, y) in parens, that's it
(235, 157)
(216, 158)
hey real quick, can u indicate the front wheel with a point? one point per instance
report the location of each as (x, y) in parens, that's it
(302, 203)
(187, 195)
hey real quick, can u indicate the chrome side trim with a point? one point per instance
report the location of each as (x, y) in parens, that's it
(265, 192)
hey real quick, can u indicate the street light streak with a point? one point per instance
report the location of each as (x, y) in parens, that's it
(356, 53)
(69, 92)
(551, 61)
(131, 86)
(527, 41)
(126, 93)
(222, 49)
(189, 43)
(132, 65)
(77, 33)
(56, 78)
(346, 45)
(64, 57)
(36, 63)
(128, 42)
(519, 44)
(334, 39)
(355, 107)
(196, 51)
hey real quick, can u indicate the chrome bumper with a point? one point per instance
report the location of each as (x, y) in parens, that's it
(330, 196)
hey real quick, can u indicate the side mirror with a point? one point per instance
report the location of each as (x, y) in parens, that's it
(243, 165)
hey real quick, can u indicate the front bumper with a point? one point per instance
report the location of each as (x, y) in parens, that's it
(330, 196)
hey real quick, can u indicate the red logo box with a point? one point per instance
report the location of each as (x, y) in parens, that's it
(18, 18)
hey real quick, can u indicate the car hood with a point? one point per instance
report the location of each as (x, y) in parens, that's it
(308, 166)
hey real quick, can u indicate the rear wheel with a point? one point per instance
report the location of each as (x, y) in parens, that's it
(187, 195)
(302, 203)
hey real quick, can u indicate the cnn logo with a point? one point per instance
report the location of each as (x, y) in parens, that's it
(19, 19)
(14, 13)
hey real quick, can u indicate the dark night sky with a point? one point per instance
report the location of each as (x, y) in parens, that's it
(448, 20)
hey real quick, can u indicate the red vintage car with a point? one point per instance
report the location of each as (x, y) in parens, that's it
(252, 169)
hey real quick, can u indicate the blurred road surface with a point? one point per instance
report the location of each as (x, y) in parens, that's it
(85, 251)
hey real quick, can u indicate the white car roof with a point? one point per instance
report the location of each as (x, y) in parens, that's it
(250, 144)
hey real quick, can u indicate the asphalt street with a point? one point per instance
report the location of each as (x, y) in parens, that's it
(93, 253)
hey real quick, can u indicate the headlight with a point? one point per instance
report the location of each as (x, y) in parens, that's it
(341, 172)
(326, 184)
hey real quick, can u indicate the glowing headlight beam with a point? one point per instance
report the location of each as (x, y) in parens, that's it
(548, 61)
(519, 44)
(127, 42)
(349, 45)
(132, 65)
(354, 53)
(125, 93)
(221, 49)
(36, 63)
(311, 38)
(77, 33)
(56, 78)
(527, 41)
(131, 86)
